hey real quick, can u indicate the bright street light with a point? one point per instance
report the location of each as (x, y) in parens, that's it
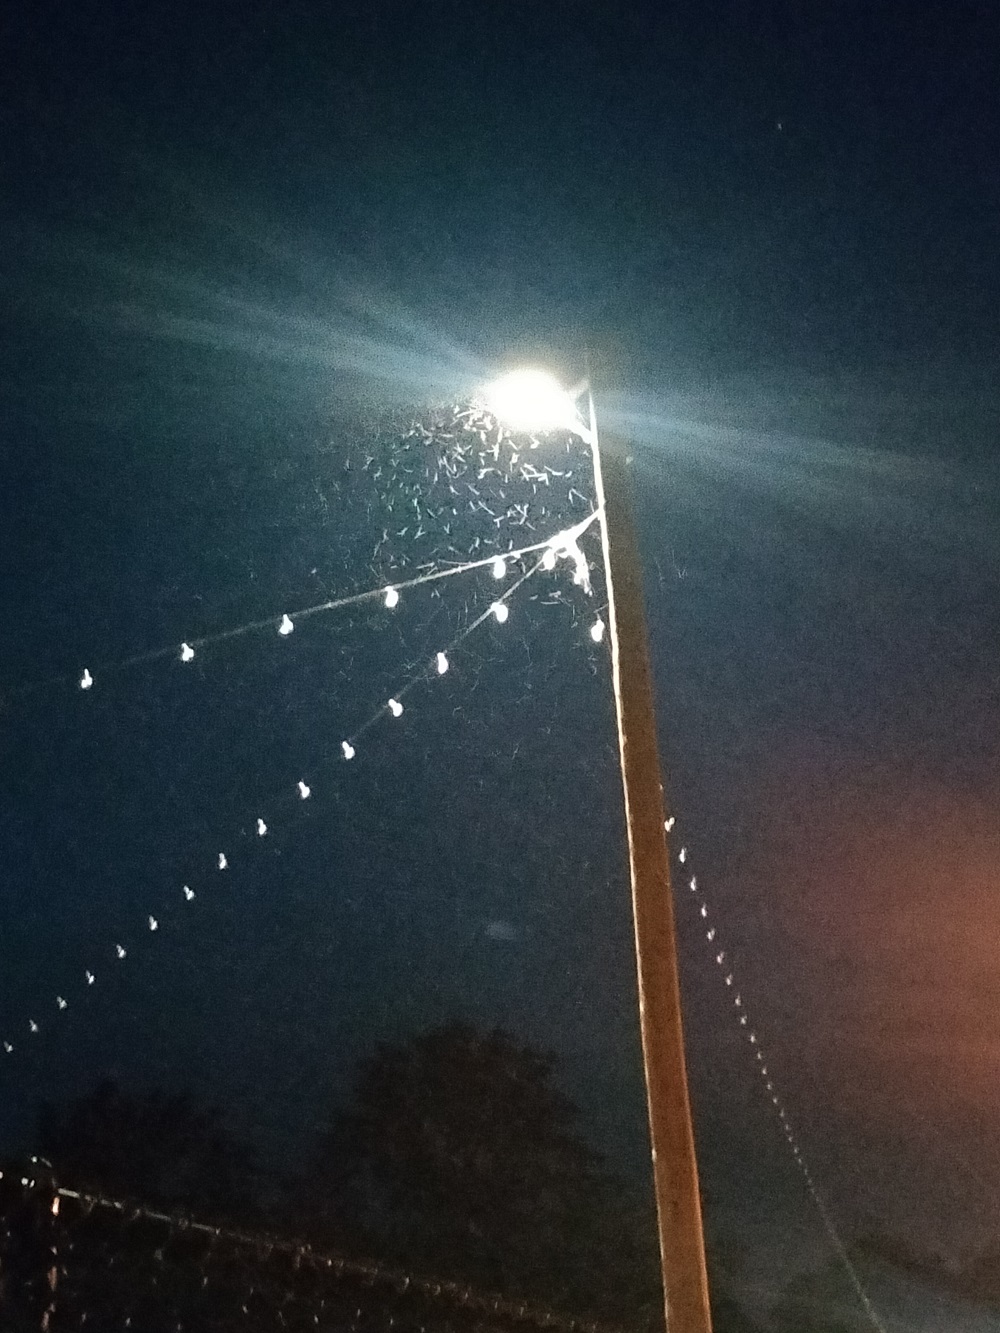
(533, 401)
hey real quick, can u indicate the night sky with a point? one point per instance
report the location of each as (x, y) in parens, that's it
(242, 250)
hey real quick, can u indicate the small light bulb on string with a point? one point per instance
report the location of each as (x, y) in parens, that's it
(304, 791)
(153, 923)
(187, 652)
(222, 863)
(500, 612)
(442, 663)
(61, 1003)
(8, 1048)
(597, 634)
(682, 855)
(549, 558)
(261, 829)
(348, 749)
(86, 680)
(286, 625)
(90, 977)
(188, 893)
(32, 1025)
(499, 567)
(120, 951)
(395, 708)
(391, 597)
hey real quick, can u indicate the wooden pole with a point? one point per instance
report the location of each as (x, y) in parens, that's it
(675, 1170)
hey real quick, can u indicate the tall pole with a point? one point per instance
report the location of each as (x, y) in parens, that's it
(675, 1170)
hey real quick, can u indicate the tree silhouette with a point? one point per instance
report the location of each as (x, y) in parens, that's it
(459, 1154)
(160, 1147)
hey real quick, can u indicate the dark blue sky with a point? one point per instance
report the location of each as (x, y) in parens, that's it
(230, 239)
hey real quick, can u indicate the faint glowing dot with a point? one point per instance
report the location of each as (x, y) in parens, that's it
(500, 611)
(682, 855)
(442, 664)
(720, 958)
(55, 1206)
(549, 559)
(743, 1020)
(120, 951)
(738, 1001)
(286, 625)
(391, 597)
(711, 935)
(597, 634)
(188, 893)
(261, 828)
(304, 791)
(395, 708)
(348, 749)
(694, 884)
(90, 977)
(499, 567)
(704, 910)
(32, 1025)
(669, 823)
(7, 1047)
(729, 979)
(86, 680)
(187, 652)
(222, 863)
(60, 1002)
(753, 1038)
(153, 923)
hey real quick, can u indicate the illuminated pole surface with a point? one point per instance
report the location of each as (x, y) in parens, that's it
(675, 1170)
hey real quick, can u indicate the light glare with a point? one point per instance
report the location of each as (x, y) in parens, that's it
(531, 400)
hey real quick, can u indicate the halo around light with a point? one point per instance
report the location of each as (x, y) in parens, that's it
(531, 400)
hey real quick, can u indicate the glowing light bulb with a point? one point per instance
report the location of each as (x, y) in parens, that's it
(395, 708)
(500, 611)
(304, 791)
(188, 893)
(61, 1003)
(286, 626)
(187, 652)
(90, 977)
(120, 950)
(153, 923)
(348, 749)
(531, 400)
(597, 634)
(549, 559)
(499, 567)
(222, 863)
(442, 664)
(86, 680)
(261, 829)
(391, 598)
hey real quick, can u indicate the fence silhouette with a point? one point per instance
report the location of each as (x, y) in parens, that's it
(70, 1259)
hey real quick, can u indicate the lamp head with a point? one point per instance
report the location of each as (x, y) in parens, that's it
(532, 400)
